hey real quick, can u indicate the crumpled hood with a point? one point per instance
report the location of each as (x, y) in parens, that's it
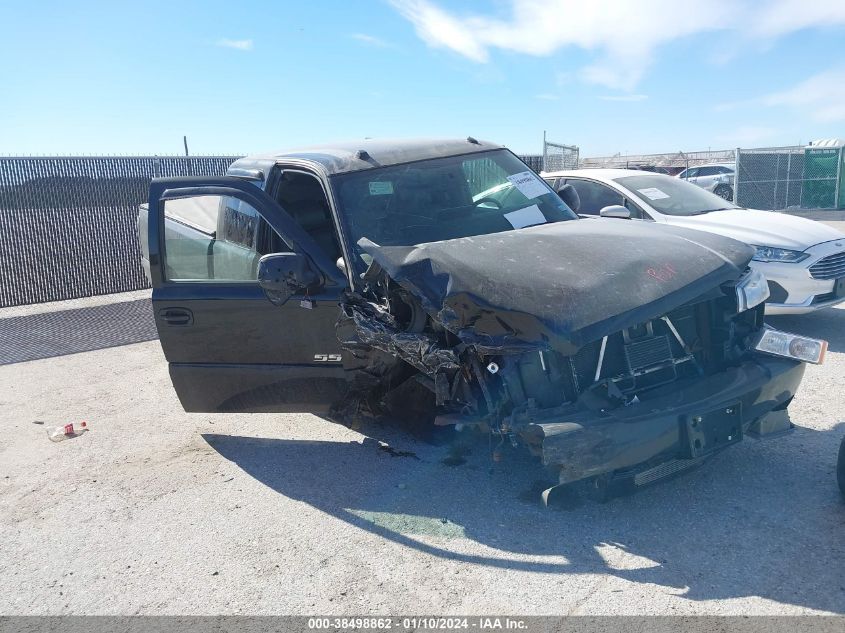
(561, 285)
(762, 228)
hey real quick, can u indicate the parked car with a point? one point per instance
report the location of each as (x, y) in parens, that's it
(803, 260)
(652, 168)
(718, 179)
(371, 278)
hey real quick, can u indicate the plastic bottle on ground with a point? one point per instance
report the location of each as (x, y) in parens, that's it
(67, 431)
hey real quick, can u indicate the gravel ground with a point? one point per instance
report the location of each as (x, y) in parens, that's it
(156, 511)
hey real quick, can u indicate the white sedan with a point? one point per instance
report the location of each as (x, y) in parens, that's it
(803, 260)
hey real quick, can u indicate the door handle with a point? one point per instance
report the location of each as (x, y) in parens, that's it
(176, 316)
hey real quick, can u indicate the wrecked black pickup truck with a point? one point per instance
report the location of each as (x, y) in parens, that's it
(446, 280)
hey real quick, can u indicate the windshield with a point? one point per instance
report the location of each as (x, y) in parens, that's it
(445, 198)
(672, 196)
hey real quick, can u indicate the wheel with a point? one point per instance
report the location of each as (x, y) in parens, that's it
(724, 191)
(840, 468)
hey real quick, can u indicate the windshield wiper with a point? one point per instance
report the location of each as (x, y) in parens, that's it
(703, 211)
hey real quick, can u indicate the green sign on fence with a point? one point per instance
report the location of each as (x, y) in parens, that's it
(821, 170)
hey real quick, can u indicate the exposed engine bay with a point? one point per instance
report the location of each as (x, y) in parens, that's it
(519, 374)
(390, 336)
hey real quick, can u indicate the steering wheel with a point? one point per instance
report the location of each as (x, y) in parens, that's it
(480, 201)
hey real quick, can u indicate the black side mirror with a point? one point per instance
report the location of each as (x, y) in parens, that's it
(282, 275)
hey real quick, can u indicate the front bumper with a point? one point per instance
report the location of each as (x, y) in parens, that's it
(793, 290)
(810, 304)
(657, 429)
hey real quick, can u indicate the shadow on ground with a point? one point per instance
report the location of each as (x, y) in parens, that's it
(50, 334)
(761, 519)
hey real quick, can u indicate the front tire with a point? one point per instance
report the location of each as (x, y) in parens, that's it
(840, 468)
(725, 192)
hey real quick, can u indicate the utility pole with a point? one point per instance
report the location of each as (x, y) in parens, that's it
(545, 153)
(188, 160)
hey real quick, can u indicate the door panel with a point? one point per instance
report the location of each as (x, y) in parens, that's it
(237, 324)
(257, 388)
(242, 353)
(228, 347)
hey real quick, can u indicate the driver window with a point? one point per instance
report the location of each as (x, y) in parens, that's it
(594, 196)
(210, 238)
(636, 212)
(301, 195)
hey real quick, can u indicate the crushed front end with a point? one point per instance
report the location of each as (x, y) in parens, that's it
(651, 395)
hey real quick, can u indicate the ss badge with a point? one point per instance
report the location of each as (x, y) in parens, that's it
(327, 358)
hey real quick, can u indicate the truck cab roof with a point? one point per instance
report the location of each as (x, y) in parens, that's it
(339, 158)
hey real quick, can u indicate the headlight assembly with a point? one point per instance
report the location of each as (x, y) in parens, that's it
(752, 290)
(777, 343)
(783, 255)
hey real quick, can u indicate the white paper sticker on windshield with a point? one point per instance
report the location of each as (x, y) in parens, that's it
(381, 188)
(528, 184)
(653, 193)
(525, 217)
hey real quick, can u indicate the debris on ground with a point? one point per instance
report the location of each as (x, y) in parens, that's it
(395, 453)
(66, 431)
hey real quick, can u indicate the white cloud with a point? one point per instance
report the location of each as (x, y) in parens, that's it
(370, 40)
(787, 16)
(440, 30)
(623, 36)
(623, 97)
(241, 45)
(820, 97)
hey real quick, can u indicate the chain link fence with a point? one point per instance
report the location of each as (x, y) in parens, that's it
(776, 178)
(671, 163)
(795, 177)
(557, 156)
(534, 161)
(67, 225)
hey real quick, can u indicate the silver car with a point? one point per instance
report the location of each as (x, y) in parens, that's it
(718, 179)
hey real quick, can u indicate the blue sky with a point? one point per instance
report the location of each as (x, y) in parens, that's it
(239, 77)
